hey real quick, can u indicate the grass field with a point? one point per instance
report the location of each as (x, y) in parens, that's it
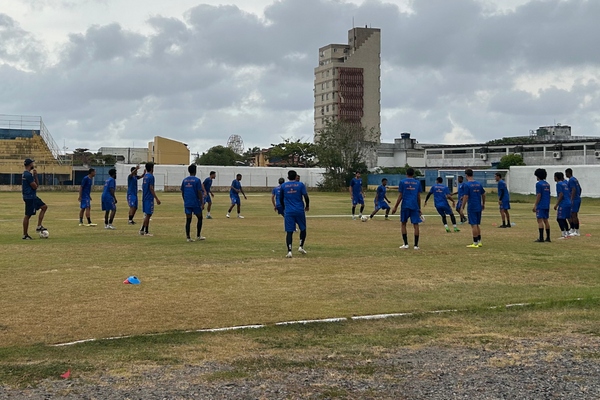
(69, 287)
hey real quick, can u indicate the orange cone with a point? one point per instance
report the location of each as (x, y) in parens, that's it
(67, 374)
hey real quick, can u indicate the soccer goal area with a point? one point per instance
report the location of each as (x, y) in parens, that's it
(485, 177)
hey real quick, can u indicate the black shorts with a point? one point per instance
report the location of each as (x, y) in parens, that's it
(32, 205)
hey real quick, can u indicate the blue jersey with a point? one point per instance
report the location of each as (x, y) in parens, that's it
(28, 191)
(356, 185)
(109, 184)
(574, 183)
(563, 187)
(235, 184)
(439, 195)
(148, 181)
(86, 188)
(461, 191)
(410, 189)
(190, 188)
(293, 197)
(132, 185)
(474, 190)
(503, 191)
(276, 192)
(543, 188)
(380, 196)
(207, 185)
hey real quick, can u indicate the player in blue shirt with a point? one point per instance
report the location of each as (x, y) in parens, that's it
(474, 198)
(410, 196)
(563, 204)
(292, 197)
(234, 193)
(575, 192)
(275, 198)
(380, 200)
(148, 197)
(32, 202)
(542, 204)
(503, 201)
(441, 195)
(85, 197)
(460, 192)
(132, 192)
(109, 200)
(193, 193)
(357, 195)
(207, 186)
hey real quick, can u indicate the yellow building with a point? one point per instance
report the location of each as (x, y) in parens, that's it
(168, 152)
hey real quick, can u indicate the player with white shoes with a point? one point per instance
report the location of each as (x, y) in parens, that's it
(109, 200)
(381, 199)
(193, 193)
(85, 198)
(357, 195)
(234, 194)
(132, 192)
(293, 196)
(209, 194)
(474, 198)
(575, 191)
(563, 204)
(410, 196)
(441, 195)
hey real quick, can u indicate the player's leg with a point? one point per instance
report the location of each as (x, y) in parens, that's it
(404, 216)
(290, 228)
(540, 222)
(26, 225)
(453, 220)
(547, 225)
(29, 211)
(301, 222)
(387, 213)
(199, 226)
(106, 214)
(507, 214)
(112, 217)
(353, 211)
(208, 207)
(416, 228)
(233, 202)
(188, 224)
(43, 208)
(239, 208)
(81, 211)
(362, 208)
(375, 211)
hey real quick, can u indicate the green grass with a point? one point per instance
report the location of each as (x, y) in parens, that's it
(70, 286)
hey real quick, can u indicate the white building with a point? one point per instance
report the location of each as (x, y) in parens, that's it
(127, 155)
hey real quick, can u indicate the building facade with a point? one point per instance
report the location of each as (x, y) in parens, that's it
(127, 155)
(163, 151)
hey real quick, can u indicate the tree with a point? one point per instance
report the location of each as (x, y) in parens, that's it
(342, 150)
(293, 152)
(397, 170)
(219, 155)
(509, 160)
(512, 140)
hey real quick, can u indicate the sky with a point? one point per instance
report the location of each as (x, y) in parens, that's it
(119, 72)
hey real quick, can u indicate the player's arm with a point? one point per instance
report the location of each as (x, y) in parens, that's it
(34, 183)
(426, 198)
(419, 201)
(242, 191)
(448, 196)
(151, 187)
(482, 201)
(350, 190)
(80, 190)
(573, 193)
(112, 193)
(201, 193)
(465, 199)
(538, 198)
(306, 201)
(397, 203)
(281, 198)
(273, 200)
(500, 195)
(559, 199)
(386, 199)
(134, 172)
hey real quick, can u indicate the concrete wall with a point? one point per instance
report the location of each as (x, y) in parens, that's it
(168, 152)
(523, 181)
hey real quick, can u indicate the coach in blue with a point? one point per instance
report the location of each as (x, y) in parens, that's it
(292, 197)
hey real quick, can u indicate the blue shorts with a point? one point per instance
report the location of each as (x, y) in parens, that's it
(458, 205)
(280, 210)
(86, 203)
(474, 217)
(413, 215)
(235, 200)
(109, 205)
(193, 210)
(148, 207)
(542, 213)
(444, 210)
(132, 201)
(505, 205)
(563, 212)
(575, 205)
(358, 200)
(207, 199)
(382, 206)
(32, 205)
(292, 220)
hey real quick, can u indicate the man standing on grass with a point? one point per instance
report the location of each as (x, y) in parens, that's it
(575, 192)
(207, 186)
(85, 197)
(503, 201)
(275, 198)
(410, 196)
(441, 195)
(380, 200)
(460, 192)
(357, 195)
(109, 200)
(148, 197)
(132, 192)
(542, 204)
(234, 194)
(563, 204)
(32, 203)
(474, 197)
(292, 196)
(193, 193)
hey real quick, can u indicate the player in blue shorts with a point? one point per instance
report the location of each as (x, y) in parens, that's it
(209, 194)
(132, 192)
(503, 201)
(460, 192)
(575, 191)
(148, 197)
(441, 195)
(275, 198)
(292, 198)
(381, 199)
(357, 195)
(193, 193)
(542, 204)
(32, 203)
(410, 195)
(85, 197)
(234, 194)
(563, 204)
(474, 198)
(109, 200)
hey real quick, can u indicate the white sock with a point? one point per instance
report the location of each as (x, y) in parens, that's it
(454, 226)
(208, 214)
(446, 226)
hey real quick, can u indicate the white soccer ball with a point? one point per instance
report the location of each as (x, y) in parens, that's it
(44, 235)
(364, 218)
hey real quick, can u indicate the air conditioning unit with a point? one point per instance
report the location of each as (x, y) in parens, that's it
(557, 155)
(597, 154)
(483, 157)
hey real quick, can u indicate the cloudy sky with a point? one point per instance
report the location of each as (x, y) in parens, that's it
(119, 72)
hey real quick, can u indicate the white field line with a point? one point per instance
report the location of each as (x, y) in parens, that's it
(308, 321)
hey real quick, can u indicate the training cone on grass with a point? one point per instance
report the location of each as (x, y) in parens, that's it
(132, 280)
(588, 235)
(66, 374)
(494, 224)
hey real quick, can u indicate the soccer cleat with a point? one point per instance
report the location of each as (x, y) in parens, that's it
(417, 248)
(200, 238)
(81, 224)
(228, 215)
(301, 250)
(131, 222)
(479, 244)
(538, 241)
(289, 255)
(563, 237)
(110, 227)
(503, 226)
(40, 229)
(148, 234)
(240, 217)
(575, 234)
(456, 230)
(27, 237)
(354, 218)
(208, 217)
(190, 240)
(447, 229)
(404, 247)
(360, 216)
(548, 240)
(91, 225)
(387, 218)
(473, 246)
(142, 232)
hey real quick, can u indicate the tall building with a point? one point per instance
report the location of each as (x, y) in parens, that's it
(348, 82)
(165, 151)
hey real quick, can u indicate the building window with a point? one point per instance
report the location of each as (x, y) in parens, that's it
(333, 107)
(323, 74)
(334, 71)
(333, 83)
(327, 83)
(327, 72)
(323, 86)
(327, 96)
(345, 51)
(327, 109)
(322, 54)
(335, 50)
(322, 111)
(322, 97)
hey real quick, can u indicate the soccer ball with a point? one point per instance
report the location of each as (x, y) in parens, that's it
(364, 218)
(44, 235)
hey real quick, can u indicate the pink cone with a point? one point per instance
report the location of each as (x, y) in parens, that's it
(67, 374)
